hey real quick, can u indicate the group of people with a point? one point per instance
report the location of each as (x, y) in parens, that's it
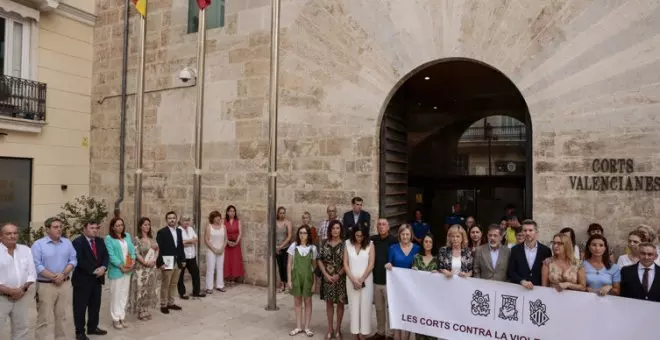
(142, 272)
(351, 266)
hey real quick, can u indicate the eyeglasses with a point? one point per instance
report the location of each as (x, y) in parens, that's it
(647, 254)
(558, 243)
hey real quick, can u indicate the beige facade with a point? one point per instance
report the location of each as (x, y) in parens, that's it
(57, 50)
(587, 70)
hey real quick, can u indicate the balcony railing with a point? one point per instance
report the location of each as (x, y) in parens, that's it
(509, 133)
(22, 98)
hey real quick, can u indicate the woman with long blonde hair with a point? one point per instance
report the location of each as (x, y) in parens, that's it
(562, 271)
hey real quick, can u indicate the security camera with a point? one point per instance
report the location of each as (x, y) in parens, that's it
(187, 74)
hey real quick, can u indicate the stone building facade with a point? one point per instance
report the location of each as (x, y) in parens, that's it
(588, 71)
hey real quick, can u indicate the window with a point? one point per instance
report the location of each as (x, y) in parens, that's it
(15, 191)
(14, 47)
(215, 15)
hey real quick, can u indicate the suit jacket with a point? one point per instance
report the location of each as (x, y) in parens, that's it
(483, 263)
(519, 269)
(116, 255)
(445, 258)
(168, 248)
(87, 262)
(348, 221)
(631, 286)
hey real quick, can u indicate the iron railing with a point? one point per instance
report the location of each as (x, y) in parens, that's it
(506, 133)
(22, 98)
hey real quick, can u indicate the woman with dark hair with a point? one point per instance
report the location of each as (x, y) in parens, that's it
(144, 282)
(426, 262)
(359, 257)
(603, 276)
(300, 267)
(331, 264)
(122, 260)
(595, 228)
(234, 254)
(475, 237)
(577, 254)
(215, 238)
(283, 237)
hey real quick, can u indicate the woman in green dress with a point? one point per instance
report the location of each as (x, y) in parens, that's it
(302, 262)
(426, 262)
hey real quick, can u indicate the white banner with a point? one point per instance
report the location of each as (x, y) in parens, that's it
(467, 309)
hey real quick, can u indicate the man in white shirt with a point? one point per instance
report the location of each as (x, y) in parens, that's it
(190, 249)
(17, 275)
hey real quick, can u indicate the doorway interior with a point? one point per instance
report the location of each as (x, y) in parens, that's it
(455, 131)
(16, 191)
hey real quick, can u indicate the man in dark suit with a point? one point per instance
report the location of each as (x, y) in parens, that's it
(642, 280)
(527, 258)
(357, 216)
(88, 279)
(491, 260)
(171, 259)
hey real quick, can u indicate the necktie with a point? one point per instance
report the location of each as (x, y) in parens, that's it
(93, 241)
(645, 280)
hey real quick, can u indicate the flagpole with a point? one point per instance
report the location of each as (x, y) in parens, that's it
(272, 159)
(139, 126)
(199, 121)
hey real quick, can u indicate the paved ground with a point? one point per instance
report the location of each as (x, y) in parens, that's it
(236, 314)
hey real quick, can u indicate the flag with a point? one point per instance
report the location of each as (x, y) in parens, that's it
(141, 6)
(203, 4)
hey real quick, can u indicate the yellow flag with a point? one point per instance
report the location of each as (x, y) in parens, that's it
(141, 6)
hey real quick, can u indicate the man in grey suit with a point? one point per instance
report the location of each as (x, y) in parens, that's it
(491, 260)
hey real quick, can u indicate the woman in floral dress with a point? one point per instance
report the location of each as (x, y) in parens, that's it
(145, 284)
(426, 262)
(331, 264)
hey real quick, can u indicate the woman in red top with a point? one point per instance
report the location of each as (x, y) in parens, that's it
(233, 254)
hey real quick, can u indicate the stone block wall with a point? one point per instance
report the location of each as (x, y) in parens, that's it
(587, 69)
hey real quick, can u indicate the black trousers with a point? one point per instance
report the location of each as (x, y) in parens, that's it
(193, 269)
(282, 262)
(86, 300)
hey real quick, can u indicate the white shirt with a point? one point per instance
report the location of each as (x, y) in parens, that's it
(624, 260)
(16, 270)
(455, 265)
(640, 271)
(190, 249)
(530, 254)
(173, 231)
(356, 217)
(494, 255)
(302, 250)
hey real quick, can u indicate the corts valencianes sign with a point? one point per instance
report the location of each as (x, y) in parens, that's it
(614, 174)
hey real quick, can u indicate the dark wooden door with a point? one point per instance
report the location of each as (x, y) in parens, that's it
(394, 168)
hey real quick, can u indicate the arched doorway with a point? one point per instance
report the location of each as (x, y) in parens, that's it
(455, 131)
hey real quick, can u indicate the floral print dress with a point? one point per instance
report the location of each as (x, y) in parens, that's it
(333, 261)
(145, 283)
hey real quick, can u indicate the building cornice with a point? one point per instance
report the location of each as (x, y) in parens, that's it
(22, 9)
(76, 14)
(45, 5)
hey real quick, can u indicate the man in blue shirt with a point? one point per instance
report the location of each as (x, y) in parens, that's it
(420, 228)
(54, 258)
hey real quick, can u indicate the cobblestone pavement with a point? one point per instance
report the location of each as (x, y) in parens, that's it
(237, 314)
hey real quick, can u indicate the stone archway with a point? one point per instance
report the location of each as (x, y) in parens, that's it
(421, 127)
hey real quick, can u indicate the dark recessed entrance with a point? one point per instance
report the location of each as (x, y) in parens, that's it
(455, 131)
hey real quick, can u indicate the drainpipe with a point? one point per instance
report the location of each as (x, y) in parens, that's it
(122, 121)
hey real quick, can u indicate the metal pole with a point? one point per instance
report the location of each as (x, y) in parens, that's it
(139, 126)
(199, 121)
(272, 159)
(122, 112)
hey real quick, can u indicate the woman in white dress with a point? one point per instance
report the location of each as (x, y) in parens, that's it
(359, 259)
(215, 238)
